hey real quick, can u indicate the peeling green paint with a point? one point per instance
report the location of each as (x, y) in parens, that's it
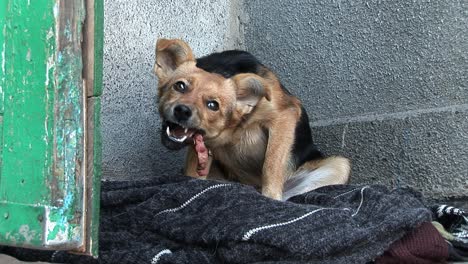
(3, 8)
(98, 46)
(62, 222)
(17, 225)
(28, 115)
(41, 183)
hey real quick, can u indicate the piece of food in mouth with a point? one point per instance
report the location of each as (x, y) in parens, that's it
(202, 154)
(178, 133)
(181, 134)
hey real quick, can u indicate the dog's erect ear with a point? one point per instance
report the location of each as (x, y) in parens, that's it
(250, 89)
(170, 54)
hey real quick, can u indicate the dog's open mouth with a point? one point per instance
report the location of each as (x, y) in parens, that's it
(178, 133)
(180, 136)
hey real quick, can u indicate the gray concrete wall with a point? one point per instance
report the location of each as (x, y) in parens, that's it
(130, 125)
(385, 83)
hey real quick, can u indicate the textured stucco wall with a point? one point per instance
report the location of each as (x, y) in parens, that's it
(130, 125)
(385, 83)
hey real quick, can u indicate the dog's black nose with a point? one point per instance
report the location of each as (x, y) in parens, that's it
(182, 112)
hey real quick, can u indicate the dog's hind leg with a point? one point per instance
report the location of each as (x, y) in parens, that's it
(317, 173)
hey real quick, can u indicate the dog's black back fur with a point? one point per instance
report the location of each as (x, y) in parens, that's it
(229, 63)
(232, 62)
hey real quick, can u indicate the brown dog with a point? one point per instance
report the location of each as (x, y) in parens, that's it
(254, 130)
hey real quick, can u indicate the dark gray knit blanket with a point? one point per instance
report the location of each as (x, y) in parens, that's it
(183, 220)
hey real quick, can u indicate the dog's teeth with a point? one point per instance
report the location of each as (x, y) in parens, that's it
(180, 140)
(168, 131)
(185, 131)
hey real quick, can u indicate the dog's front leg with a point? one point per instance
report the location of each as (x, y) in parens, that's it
(275, 168)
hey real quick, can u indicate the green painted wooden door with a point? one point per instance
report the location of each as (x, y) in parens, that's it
(50, 79)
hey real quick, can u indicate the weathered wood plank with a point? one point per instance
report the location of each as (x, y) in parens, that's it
(92, 75)
(28, 119)
(64, 221)
(98, 46)
(93, 173)
(29, 100)
(93, 46)
(51, 153)
(43, 151)
(3, 8)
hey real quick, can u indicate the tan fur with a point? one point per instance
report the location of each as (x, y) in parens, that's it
(340, 167)
(235, 134)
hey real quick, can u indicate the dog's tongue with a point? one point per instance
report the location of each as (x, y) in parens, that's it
(202, 154)
(178, 131)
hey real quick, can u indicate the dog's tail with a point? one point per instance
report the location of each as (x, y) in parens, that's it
(315, 174)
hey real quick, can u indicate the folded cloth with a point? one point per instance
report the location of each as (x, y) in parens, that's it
(424, 245)
(184, 220)
(454, 220)
(452, 224)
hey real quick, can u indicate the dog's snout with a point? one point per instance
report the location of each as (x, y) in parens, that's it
(182, 112)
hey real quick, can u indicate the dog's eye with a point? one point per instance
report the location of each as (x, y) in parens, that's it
(180, 87)
(212, 105)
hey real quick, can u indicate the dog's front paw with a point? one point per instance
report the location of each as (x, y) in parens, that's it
(273, 194)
